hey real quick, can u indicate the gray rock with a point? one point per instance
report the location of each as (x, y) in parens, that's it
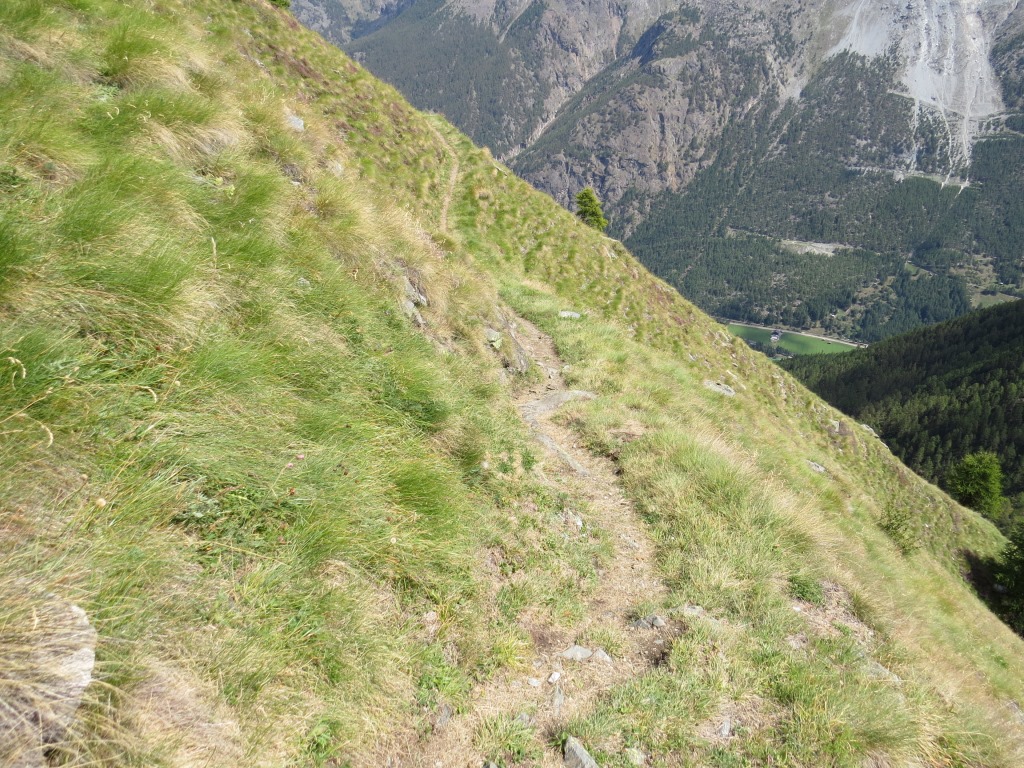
(1018, 713)
(523, 718)
(303, 283)
(567, 314)
(554, 677)
(883, 673)
(493, 337)
(635, 756)
(410, 311)
(657, 622)
(640, 624)
(558, 700)
(576, 653)
(601, 655)
(717, 386)
(295, 122)
(47, 674)
(515, 356)
(576, 756)
(490, 764)
(693, 610)
(533, 682)
(415, 294)
(816, 467)
(725, 729)
(533, 410)
(551, 402)
(444, 715)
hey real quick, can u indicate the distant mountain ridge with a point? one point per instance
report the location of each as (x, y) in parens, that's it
(888, 133)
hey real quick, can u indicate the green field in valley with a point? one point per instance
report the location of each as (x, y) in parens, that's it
(794, 343)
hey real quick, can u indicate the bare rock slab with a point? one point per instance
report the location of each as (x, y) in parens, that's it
(717, 386)
(576, 755)
(576, 653)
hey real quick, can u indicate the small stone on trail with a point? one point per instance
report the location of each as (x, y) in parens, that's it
(816, 466)
(635, 756)
(692, 610)
(558, 700)
(640, 624)
(576, 756)
(444, 714)
(657, 622)
(576, 653)
(569, 315)
(533, 681)
(554, 677)
(600, 655)
(725, 729)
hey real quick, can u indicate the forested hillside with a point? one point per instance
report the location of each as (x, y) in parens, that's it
(937, 394)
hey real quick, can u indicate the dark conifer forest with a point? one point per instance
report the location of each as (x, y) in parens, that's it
(937, 394)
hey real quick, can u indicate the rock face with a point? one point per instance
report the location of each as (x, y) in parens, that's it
(47, 671)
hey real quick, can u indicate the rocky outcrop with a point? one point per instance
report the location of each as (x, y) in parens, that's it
(47, 666)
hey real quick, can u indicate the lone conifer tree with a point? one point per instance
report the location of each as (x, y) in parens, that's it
(588, 208)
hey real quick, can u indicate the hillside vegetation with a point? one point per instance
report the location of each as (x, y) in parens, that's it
(263, 333)
(937, 394)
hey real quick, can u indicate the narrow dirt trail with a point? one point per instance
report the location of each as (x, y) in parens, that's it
(554, 688)
(453, 177)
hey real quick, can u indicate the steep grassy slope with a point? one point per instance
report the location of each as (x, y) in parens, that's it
(253, 421)
(939, 393)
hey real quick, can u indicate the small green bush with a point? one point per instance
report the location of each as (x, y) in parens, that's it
(898, 525)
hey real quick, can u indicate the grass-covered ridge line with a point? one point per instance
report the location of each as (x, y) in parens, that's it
(303, 520)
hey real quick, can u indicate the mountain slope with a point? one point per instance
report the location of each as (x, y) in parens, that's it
(939, 393)
(748, 140)
(268, 422)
